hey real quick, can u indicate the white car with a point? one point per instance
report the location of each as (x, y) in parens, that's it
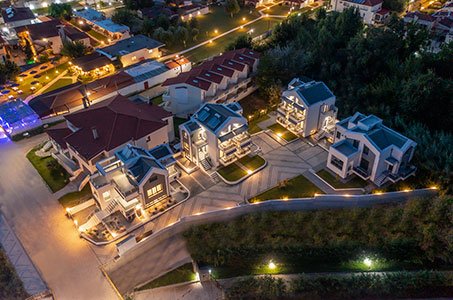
(20, 92)
(10, 97)
(15, 88)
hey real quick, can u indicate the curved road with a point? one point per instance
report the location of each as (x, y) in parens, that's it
(68, 264)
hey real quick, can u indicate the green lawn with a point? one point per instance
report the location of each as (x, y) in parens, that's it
(252, 162)
(354, 182)
(53, 174)
(157, 100)
(282, 132)
(232, 172)
(253, 124)
(176, 122)
(98, 36)
(58, 84)
(74, 198)
(297, 187)
(218, 46)
(184, 273)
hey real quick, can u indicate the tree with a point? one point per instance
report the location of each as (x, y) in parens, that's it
(74, 49)
(181, 34)
(127, 17)
(8, 71)
(60, 11)
(137, 4)
(232, 7)
(242, 41)
(148, 27)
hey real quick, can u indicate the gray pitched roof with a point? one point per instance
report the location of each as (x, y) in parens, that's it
(384, 137)
(314, 93)
(141, 167)
(130, 45)
(212, 116)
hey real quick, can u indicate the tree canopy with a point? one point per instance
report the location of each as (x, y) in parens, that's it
(232, 7)
(60, 10)
(74, 49)
(8, 71)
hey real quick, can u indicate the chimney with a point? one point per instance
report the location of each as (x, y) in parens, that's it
(95, 133)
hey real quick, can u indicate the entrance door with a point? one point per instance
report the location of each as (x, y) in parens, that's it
(146, 85)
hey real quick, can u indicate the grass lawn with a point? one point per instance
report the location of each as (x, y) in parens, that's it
(253, 104)
(282, 132)
(218, 46)
(98, 36)
(232, 172)
(297, 187)
(74, 198)
(157, 100)
(354, 182)
(176, 122)
(58, 84)
(253, 124)
(45, 77)
(53, 174)
(182, 274)
(252, 162)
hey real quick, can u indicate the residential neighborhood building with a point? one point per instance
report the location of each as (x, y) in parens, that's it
(216, 135)
(128, 181)
(308, 108)
(18, 16)
(370, 10)
(72, 34)
(365, 147)
(132, 50)
(257, 3)
(223, 79)
(92, 65)
(192, 10)
(93, 134)
(42, 36)
(100, 23)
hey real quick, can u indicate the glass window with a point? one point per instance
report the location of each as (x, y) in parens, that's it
(338, 134)
(155, 190)
(366, 150)
(106, 196)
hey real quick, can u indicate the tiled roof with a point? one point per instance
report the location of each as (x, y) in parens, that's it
(74, 34)
(214, 70)
(43, 30)
(17, 14)
(91, 61)
(366, 2)
(117, 121)
(420, 16)
(58, 133)
(130, 45)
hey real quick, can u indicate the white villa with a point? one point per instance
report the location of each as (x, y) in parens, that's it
(224, 79)
(308, 108)
(216, 135)
(370, 10)
(365, 147)
(130, 180)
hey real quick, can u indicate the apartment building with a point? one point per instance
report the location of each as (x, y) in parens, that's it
(365, 147)
(216, 135)
(224, 79)
(370, 10)
(308, 108)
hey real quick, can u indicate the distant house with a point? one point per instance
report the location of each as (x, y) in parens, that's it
(72, 34)
(100, 23)
(308, 108)
(192, 10)
(421, 19)
(368, 9)
(223, 79)
(42, 36)
(365, 147)
(92, 65)
(156, 11)
(216, 135)
(18, 16)
(91, 135)
(132, 50)
(257, 3)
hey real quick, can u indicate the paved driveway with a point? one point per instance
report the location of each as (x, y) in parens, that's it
(67, 263)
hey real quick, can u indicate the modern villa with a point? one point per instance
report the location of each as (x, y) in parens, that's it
(224, 79)
(216, 135)
(308, 108)
(365, 147)
(96, 133)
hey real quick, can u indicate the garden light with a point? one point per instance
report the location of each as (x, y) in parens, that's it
(216, 31)
(271, 265)
(367, 262)
(249, 172)
(279, 134)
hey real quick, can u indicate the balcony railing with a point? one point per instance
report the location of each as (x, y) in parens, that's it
(361, 172)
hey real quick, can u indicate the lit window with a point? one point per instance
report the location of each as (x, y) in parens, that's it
(106, 196)
(150, 51)
(134, 57)
(155, 190)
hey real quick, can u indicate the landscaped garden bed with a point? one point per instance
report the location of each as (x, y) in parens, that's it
(282, 132)
(297, 187)
(74, 198)
(252, 163)
(354, 182)
(184, 273)
(406, 236)
(50, 170)
(233, 172)
(240, 169)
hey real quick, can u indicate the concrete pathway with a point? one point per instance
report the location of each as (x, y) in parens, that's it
(190, 291)
(33, 283)
(68, 264)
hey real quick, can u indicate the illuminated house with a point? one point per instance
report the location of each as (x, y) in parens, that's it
(92, 65)
(17, 117)
(365, 147)
(100, 23)
(370, 10)
(308, 108)
(132, 178)
(216, 135)
(42, 36)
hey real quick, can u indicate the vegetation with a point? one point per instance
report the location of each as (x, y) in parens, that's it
(297, 187)
(74, 198)
(127, 17)
(50, 170)
(74, 49)
(354, 182)
(382, 70)
(11, 286)
(232, 172)
(385, 285)
(176, 122)
(60, 11)
(232, 7)
(8, 71)
(281, 131)
(253, 124)
(412, 235)
(137, 4)
(242, 41)
(252, 162)
(58, 84)
(184, 273)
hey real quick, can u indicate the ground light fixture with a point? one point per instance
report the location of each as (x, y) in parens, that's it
(367, 262)
(271, 265)
(249, 172)
(279, 134)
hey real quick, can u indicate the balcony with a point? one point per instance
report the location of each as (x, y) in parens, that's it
(361, 172)
(227, 146)
(297, 118)
(403, 173)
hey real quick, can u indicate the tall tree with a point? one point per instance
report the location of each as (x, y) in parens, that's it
(242, 41)
(60, 10)
(8, 71)
(74, 49)
(127, 17)
(232, 7)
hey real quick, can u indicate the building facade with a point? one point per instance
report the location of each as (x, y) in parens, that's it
(365, 147)
(224, 79)
(369, 10)
(308, 108)
(216, 135)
